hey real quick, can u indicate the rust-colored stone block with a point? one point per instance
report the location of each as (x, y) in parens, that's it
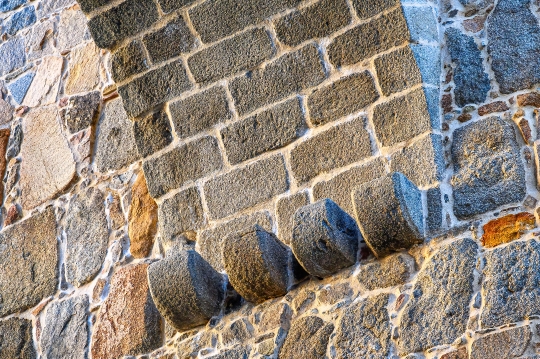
(143, 217)
(507, 229)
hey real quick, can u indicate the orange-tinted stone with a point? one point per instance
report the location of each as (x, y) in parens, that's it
(507, 229)
(143, 216)
(4, 139)
(497, 106)
(456, 354)
(529, 99)
(128, 322)
(115, 212)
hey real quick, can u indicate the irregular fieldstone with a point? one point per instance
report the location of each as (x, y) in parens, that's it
(210, 240)
(142, 219)
(238, 331)
(128, 322)
(20, 87)
(276, 316)
(529, 99)
(12, 54)
(72, 30)
(83, 69)
(335, 293)
(325, 238)
(171, 5)
(186, 289)
(170, 41)
(369, 8)
(256, 263)
(8, 5)
(128, 60)
(488, 171)
(48, 166)
(65, 329)
(115, 143)
(29, 260)
(389, 272)
(512, 284)
(40, 41)
(497, 106)
(236, 353)
(15, 141)
(507, 229)
(285, 209)
(307, 338)
(44, 87)
(438, 309)
(389, 212)
(4, 141)
(81, 111)
(90, 5)
(511, 343)
(364, 330)
(6, 112)
(152, 133)
(457, 354)
(86, 236)
(16, 338)
(471, 81)
(513, 29)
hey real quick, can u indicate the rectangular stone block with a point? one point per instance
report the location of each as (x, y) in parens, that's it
(285, 209)
(245, 187)
(434, 208)
(318, 20)
(90, 5)
(170, 5)
(422, 23)
(215, 19)
(340, 188)
(345, 96)
(397, 71)
(263, 132)
(288, 74)
(181, 165)
(228, 57)
(200, 112)
(369, 39)
(122, 21)
(401, 118)
(422, 162)
(170, 41)
(154, 88)
(128, 61)
(336, 147)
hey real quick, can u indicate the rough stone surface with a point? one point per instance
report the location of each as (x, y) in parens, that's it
(115, 143)
(152, 133)
(511, 285)
(128, 61)
(507, 229)
(44, 87)
(210, 240)
(457, 354)
(470, 79)
(170, 5)
(511, 343)
(497, 106)
(264, 132)
(438, 310)
(288, 74)
(253, 184)
(285, 209)
(364, 330)
(12, 55)
(48, 166)
(345, 96)
(198, 158)
(397, 71)
(40, 42)
(81, 111)
(6, 112)
(434, 216)
(389, 212)
(336, 147)
(318, 20)
(83, 69)
(236, 353)
(513, 29)
(30, 259)
(186, 289)
(9, 5)
(20, 20)
(170, 41)
(16, 339)
(4, 141)
(487, 170)
(87, 236)
(368, 8)
(256, 263)
(325, 238)
(65, 329)
(308, 338)
(179, 214)
(128, 323)
(142, 219)
(200, 112)
(72, 30)
(391, 271)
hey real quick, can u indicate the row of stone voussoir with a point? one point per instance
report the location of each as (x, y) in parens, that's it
(188, 291)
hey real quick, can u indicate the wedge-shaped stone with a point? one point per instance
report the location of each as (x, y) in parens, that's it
(256, 263)
(389, 213)
(325, 238)
(186, 290)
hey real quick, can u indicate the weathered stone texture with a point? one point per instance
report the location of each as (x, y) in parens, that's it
(87, 236)
(152, 133)
(44, 87)
(16, 339)
(285, 209)
(48, 166)
(438, 310)
(364, 330)
(20, 20)
(252, 184)
(511, 343)
(12, 55)
(128, 60)
(81, 111)
(128, 322)
(388, 272)
(142, 219)
(507, 229)
(487, 169)
(72, 30)
(29, 262)
(170, 41)
(186, 289)
(83, 69)
(397, 71)
(307, 338)
(6, 112)
(65, 329)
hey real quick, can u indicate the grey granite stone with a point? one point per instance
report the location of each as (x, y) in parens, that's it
(186, 290)
(72, 30)
(152, 133)
(128, 60)
(389, 212)
(511, 343)
(16, 339)
(438, 310)
(285, 209)
(325, 238)
(236, 353)
(368, 8)
(307, 338)
(12, 54)
(81, 111)
(397, 71)
(435, 211)
(169, 41)
(389, 272)
(237, 332)
(19, 87)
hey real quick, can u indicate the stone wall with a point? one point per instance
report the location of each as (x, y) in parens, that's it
(165, 166)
